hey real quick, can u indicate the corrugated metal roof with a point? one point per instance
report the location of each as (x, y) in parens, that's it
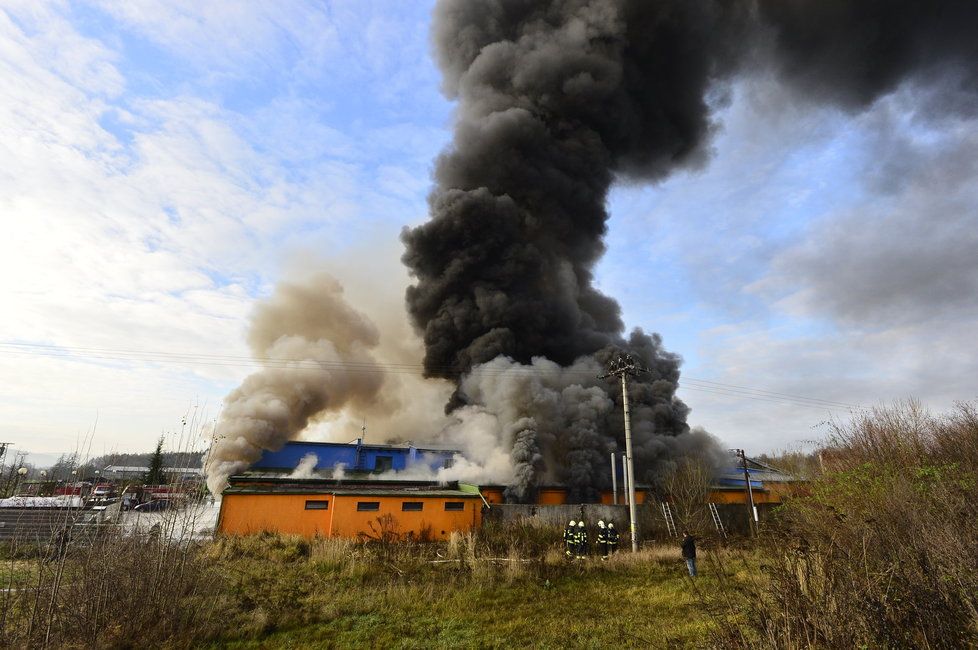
(134, 469)
(281, 478)
(351, 491)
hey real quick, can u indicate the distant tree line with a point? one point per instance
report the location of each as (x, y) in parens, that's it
(62, 469)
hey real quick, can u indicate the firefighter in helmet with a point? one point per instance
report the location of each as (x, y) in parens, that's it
(602, 540)
(570, 537)
(582, 546)
(612, 536)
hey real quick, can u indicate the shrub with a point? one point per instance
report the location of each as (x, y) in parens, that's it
(887, 541)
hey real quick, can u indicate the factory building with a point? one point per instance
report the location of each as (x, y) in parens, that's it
(769, 486)
(356, 509)
(355, 503)
(271, 496)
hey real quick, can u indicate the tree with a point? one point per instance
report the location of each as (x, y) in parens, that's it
(689, 490)
(63, 468)
(155, 474)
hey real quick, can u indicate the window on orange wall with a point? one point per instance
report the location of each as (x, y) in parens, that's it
(368, 506)
(454, 505)
(412, 506)
(317, 505)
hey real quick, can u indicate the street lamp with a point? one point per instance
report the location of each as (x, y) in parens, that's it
(21, 473)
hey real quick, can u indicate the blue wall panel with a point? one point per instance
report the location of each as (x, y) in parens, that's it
(353, 456)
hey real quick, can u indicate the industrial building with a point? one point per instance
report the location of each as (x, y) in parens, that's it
(357, 509)
(272, 496)
(768, 485)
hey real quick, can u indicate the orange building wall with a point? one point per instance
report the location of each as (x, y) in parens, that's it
(740, 496)
(243, 514)
(552, 497)
(348, 522)
(493, 494)
(607, 498)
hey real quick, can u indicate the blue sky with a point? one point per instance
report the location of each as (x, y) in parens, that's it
(167, 163)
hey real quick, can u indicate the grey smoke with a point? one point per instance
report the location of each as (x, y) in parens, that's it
(556, 100)
(317, 353)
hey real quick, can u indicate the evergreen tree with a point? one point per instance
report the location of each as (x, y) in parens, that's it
(61, 470)
(155, 474)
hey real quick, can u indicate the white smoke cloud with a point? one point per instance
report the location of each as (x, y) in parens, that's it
(339, 472)
(306, 467)
(316, 353)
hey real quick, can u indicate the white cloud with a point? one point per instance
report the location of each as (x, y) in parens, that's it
(156, 233)
(852, 367)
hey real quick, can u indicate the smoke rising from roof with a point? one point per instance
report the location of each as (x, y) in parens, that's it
(306, 335)
(555, 101)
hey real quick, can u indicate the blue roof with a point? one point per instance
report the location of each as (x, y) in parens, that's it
(355, 456)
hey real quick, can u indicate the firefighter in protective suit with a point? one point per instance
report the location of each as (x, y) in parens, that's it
(582, 547)
(602, 540)
(570, 536)
(612, 537)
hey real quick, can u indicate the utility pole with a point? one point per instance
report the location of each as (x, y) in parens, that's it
(624, 481)
(614, 480)
(622, 367)
(751, 522)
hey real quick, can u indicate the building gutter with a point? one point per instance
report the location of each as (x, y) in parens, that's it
(466, 487)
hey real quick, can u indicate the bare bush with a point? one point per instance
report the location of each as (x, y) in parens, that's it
(106, 589)
(887, 541)
(689, 486)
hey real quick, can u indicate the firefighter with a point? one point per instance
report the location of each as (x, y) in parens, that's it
(612, 536)
(602, 540)
(570, 537)
(582, 546)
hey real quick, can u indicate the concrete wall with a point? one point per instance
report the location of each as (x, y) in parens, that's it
(652, 526)
(558, 515)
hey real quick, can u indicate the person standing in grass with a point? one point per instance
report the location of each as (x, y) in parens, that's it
(612, 537)
(602, 540)
(582, 545)
(689, 553)
(570, 535)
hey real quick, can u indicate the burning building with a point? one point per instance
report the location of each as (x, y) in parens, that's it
(556, 101)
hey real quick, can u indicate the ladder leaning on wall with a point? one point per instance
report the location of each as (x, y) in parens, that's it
(667, 515)
(716, 520)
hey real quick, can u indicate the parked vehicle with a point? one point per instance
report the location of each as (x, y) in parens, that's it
(156, 505)
(104, 490)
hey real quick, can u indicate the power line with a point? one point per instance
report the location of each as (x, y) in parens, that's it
(231, 360)
(705, 384)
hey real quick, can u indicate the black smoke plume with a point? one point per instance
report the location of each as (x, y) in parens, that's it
(557, 100)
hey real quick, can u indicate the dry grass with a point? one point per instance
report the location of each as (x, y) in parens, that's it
(107, 590)
(476, 590)
(887, 542)
(453, 595)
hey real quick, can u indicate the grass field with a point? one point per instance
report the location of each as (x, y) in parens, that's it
(630, 601)
(499, 589)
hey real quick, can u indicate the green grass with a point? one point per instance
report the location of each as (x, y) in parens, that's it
(474, 591)
(631, 603)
